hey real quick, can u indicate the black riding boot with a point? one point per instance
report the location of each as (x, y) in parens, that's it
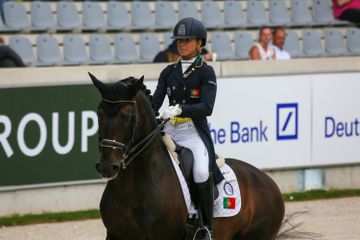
(205, 195)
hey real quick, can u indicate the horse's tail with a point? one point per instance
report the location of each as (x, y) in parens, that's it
(291, 230)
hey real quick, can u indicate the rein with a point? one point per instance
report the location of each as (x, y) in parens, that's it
(130, 151)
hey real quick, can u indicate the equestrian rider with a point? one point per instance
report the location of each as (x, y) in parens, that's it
(190, 85)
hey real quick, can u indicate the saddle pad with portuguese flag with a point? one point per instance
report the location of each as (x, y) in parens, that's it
(227, 204)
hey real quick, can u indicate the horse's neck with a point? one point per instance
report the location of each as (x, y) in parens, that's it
(152, 162)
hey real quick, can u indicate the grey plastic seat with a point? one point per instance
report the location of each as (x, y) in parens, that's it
(256, 14)
(234, 16)
(353, 41)
(188, 9)
(278, 13)
(93, 17)
(22, 46)
(300, 14)
(167, 39)
(322, 13)
(221, 45)
(4, 28)
(15, 16)
(210, 14)
(48, 51)
(312, 45)
(74, 50)
(292, 44)
(125, 50)
(141, 17)
(67, 16)
(42, 17)
(243, 42)
(100, 50)
(165, 17)
(117, 16)
(334, 43)
(149, 47)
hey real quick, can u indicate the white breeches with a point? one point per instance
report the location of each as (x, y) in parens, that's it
(186, 135)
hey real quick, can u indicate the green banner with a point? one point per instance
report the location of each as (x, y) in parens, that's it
(48, 134)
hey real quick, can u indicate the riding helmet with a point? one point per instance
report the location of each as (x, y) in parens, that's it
(190, 28)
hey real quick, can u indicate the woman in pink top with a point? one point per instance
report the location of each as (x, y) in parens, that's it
(347, 10)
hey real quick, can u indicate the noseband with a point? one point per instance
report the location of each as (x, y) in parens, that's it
(131, 150)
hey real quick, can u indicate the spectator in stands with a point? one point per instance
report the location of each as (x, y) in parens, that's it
(279, 35)
(263, 50)
(348, 10)
(171, 54)
(8, 57)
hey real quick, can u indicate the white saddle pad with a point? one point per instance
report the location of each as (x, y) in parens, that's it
(227, 204)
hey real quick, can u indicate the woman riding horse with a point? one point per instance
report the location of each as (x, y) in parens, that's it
(190, 85)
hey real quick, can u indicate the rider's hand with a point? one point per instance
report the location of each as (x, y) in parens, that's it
(172, 112)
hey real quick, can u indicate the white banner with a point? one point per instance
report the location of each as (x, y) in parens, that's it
(288, 121)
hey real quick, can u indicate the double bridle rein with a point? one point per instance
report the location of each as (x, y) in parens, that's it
(131, 150)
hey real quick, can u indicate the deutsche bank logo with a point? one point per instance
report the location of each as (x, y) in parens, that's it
(287, 121)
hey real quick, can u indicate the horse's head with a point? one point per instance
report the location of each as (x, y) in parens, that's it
(117, 122)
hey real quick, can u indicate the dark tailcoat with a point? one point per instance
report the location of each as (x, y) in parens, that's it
(195, 91)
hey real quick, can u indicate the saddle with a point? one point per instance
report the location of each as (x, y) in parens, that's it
(185, 159)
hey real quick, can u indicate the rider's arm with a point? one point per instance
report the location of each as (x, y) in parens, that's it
(207, 96)
(160, 92)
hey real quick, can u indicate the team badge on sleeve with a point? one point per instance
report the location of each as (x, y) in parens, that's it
(195, 93)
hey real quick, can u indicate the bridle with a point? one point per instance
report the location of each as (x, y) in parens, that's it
(131, 150)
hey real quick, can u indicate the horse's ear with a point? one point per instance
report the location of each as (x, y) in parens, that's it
(98, 84)
(138, 84)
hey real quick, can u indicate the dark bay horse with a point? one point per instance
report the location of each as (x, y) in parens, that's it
(143, 198)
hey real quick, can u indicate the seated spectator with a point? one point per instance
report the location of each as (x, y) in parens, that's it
(171, 54)
(8, 57)
(262, 50)
(278, 44)
(348, 10)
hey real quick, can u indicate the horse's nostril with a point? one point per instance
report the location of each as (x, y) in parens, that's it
(116, 168)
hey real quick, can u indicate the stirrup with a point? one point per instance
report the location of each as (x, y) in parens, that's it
(206, 229)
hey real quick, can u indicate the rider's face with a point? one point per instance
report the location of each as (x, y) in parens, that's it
(188, 48)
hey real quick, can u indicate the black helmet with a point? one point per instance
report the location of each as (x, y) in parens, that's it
(190, 28)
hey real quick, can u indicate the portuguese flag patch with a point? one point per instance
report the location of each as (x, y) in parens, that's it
(195, 92)
(229, 202)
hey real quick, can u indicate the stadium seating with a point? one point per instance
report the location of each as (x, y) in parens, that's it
(210, 14)
(48, 51)
(188, 9)
(312, 44)
(256, 14)
(221, 44)
(74, 50)
(165, 17)
(120, 28)
(278, 13)
(353, 41)
(100, 50)
(22, 46)
(93, 18)
(67, 16)
(117, 16)
(125, 50)
(292, 44)
(243, 42)
(149, 47)
(15, 16)
(334, 43)
(141, 16)
(300, 14)
(41, 16)
(234, 15)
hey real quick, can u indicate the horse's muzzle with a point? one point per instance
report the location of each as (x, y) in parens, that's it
(107, 169)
